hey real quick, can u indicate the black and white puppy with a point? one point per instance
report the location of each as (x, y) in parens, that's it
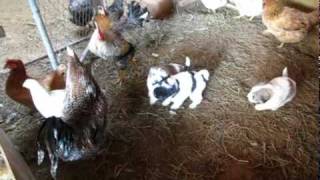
(175, 89)
(188, 84)
(158, 88)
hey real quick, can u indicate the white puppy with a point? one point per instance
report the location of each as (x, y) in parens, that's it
(274, 94)
(157, 75)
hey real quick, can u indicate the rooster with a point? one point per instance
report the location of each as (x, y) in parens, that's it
(15, 90)
(287, 24)
(81, 130)
(107, 41)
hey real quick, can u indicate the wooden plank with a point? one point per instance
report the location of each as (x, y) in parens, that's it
(2, 32)
(5, 170)
(17, 167)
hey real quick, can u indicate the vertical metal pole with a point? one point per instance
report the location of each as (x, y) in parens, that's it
(43, 33)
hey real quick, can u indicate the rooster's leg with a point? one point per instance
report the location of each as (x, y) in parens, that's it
(84, 54)
(237, 17)
(231, 6)
(280, 46)
(123, 73)
(266, 32)
(32, 112)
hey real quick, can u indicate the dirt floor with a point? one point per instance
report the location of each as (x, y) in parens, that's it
(22, 38)
(224, 138)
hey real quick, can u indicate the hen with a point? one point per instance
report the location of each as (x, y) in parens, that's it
(107, 41)
(287, 24)
(15, 90)
(81, 131)
(159, 9)
(48, 103)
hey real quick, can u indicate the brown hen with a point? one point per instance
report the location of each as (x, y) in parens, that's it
(15, 90)
(287, 24)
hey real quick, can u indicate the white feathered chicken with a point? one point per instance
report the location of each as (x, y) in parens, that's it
(48, 103)
(214, 4)
(249, 8)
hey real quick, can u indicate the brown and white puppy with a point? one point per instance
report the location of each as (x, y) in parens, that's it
(273, 95)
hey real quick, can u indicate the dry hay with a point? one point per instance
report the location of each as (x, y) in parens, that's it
(225, 137)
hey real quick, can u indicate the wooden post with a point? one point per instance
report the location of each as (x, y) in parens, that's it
(43, 33)
(16, 166)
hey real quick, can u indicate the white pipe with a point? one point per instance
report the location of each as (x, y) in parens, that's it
(43, 33)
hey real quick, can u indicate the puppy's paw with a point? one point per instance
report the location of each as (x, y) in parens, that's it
(152, 101)
(193, 106)
(266, 32)
(166, 103)
(172, 112)
(258, 107)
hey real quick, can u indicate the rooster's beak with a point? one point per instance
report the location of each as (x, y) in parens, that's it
(5, 69)
(5, 66)
(101, 10)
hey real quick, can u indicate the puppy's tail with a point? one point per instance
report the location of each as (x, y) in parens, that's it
(285, 72)
(187, 64)
(204, 74)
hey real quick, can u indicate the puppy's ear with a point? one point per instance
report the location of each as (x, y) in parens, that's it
(188, 62)
(152, 70)
(285, 72)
